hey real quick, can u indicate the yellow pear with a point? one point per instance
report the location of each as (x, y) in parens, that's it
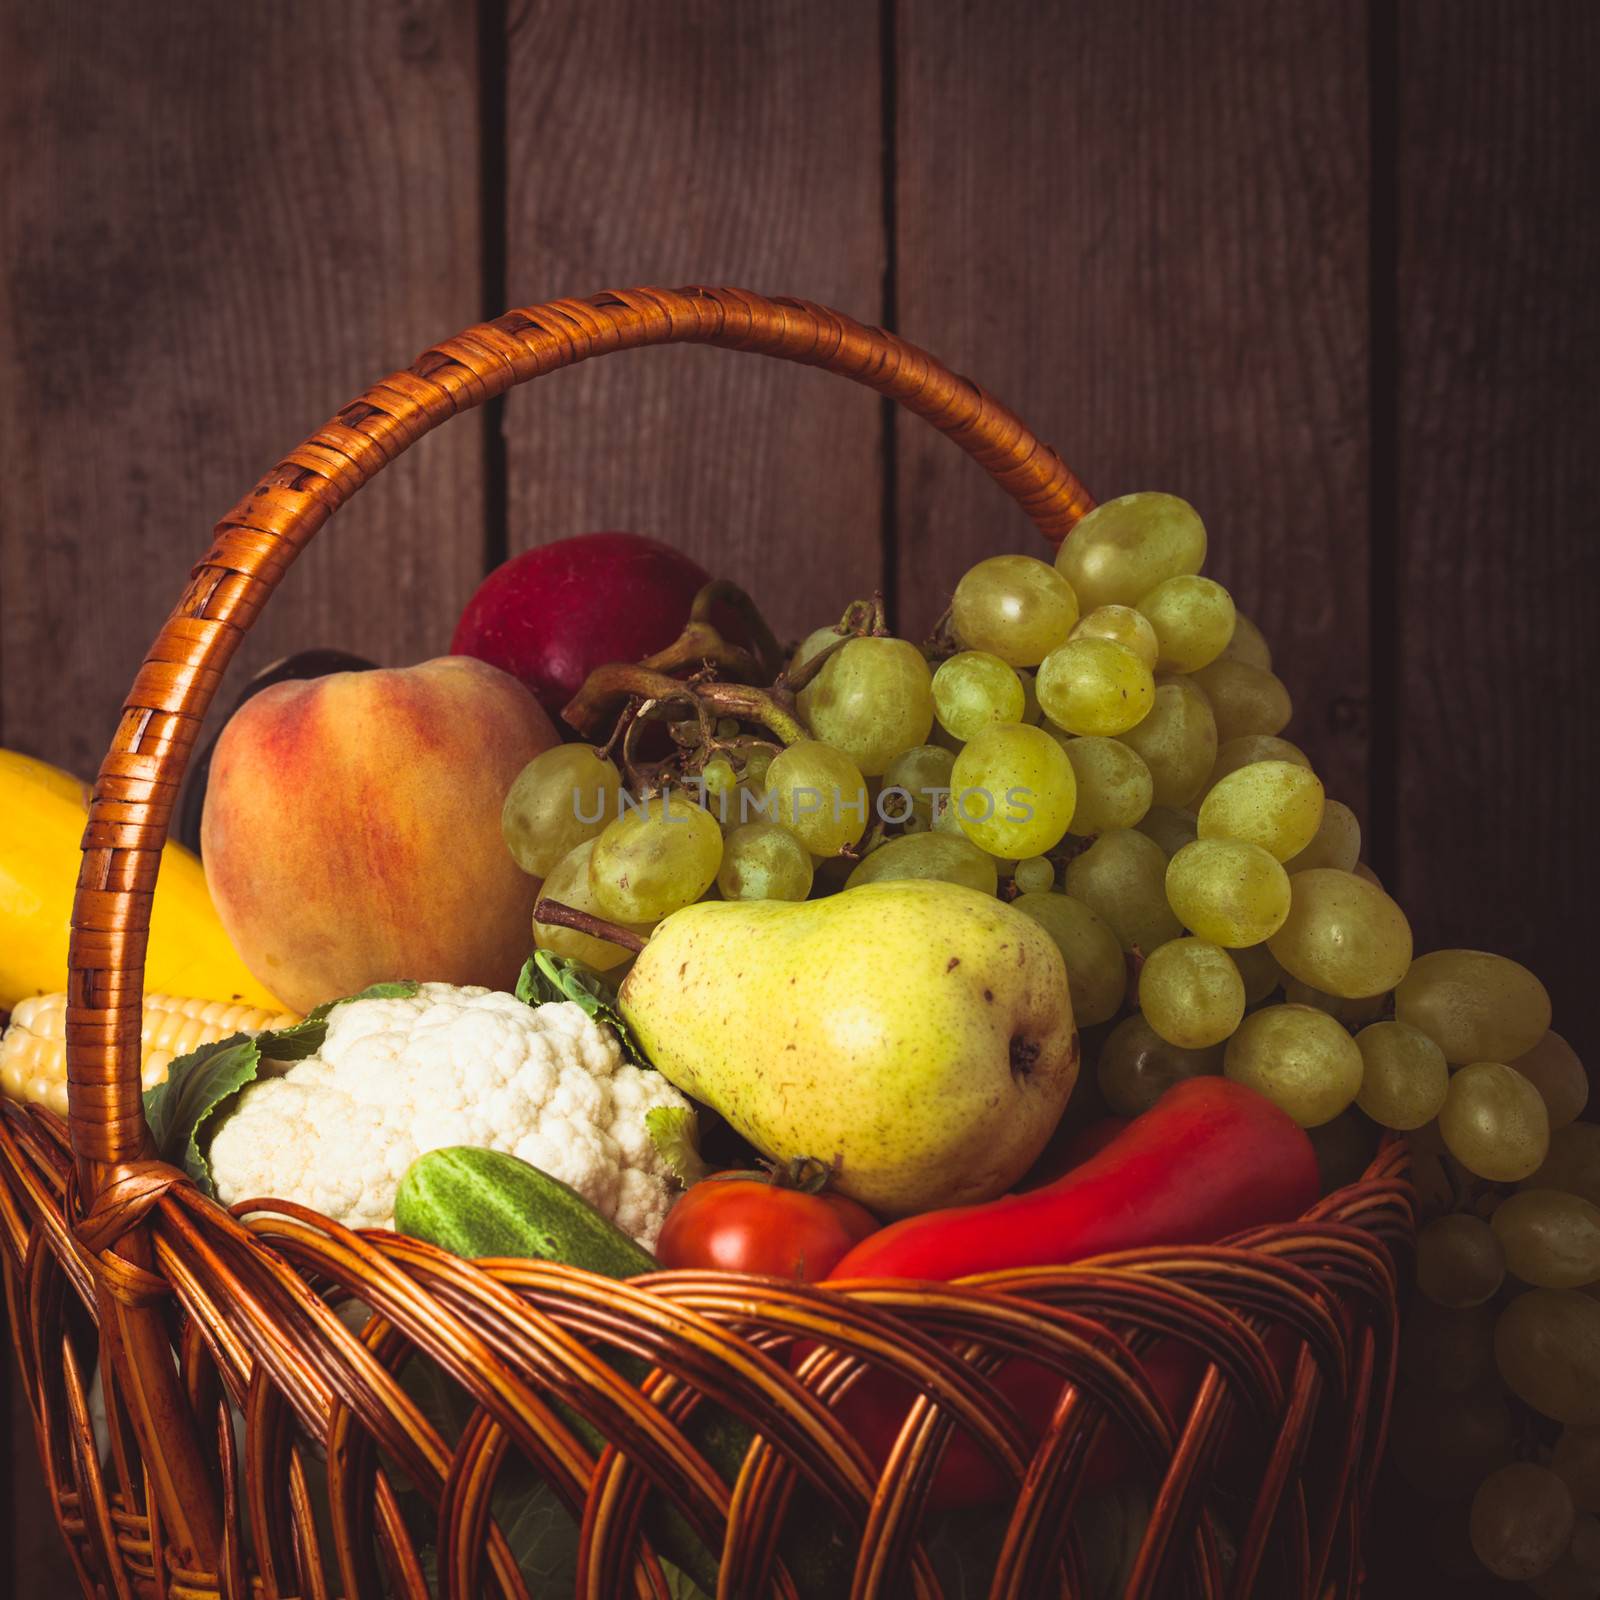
(915, 1036)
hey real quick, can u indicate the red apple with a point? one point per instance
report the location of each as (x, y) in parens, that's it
(551, 615)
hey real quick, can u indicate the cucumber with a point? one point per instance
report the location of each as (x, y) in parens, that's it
(477, 1203)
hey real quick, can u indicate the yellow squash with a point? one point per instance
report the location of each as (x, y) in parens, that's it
(42, 814)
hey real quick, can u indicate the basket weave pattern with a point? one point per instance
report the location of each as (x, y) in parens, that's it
(272, 1455)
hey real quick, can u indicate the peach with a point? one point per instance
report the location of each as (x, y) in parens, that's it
(351, 832)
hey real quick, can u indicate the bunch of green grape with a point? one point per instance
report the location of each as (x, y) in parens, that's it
(1497, 1414)
(1100, 742)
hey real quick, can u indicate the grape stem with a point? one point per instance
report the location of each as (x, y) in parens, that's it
(616, 682)
(555, 914)
(720, 592)
(862, 619)
(942, 642)
(701, 643)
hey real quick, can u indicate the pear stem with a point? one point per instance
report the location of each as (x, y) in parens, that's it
(554, 914)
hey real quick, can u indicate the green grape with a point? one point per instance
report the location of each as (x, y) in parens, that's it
(1094, 686)
(1032, 714)
(1547, 1347)
(1445, 1443)
(1584, 1551)
(1121, 625)
(568, 883)
(1299, 1058)
(1447, 1350)
(920, 774)
(1521, 1521)
(1013, 791)
(1460, 1262)
(1494, 1123)
(747, 800)
(1367, 875)
(1114, 785)
(1244, 699)
(1170, 828)
(756, 761)
(719, 784)
(1227, 891)
(946, 819)
(1177, 741)
(1404, 1077)
(1125, 547)
(1573, 1163)
(1576, 1459)
(1014, 607)
(1097, 973)
(1248, 749)
(814, 643)
(1275, 804)
(1259, 970)
(761, 861)
(975, 690)
(1551, 1239)
(1137, 1066)
(1553, 1068)
(1248, 645)
(1343, 1147)
(819, 795)
(563, 796)
(1192, 618)
(1036, 875)
(873, 700)
(655, 859)
(1342, 935)
(1473, 1005)
(1351, 1014)
(1191, 993)
(948, 857)
(1121, 877)
(1336, 843)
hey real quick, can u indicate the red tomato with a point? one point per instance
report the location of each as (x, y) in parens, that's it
(752, 1225)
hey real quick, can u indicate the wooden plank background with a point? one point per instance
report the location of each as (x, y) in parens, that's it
(1328, 270)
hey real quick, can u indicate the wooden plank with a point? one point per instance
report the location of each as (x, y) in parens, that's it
(221, 222)
(1499, 341)
(1144, 228)
(702, 143)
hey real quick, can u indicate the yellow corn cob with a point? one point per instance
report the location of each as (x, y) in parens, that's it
(33, 1052)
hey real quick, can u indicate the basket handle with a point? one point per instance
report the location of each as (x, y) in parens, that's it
(255, 542)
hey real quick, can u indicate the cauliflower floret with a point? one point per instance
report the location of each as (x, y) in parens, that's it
(449, 1066)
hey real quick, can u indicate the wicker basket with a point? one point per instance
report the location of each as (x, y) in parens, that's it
(254, 1444)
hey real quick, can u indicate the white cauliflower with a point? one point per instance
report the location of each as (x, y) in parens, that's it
(449, 1066)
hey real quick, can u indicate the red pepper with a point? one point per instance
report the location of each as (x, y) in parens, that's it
(1210, 1159)
(1085, 1143)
